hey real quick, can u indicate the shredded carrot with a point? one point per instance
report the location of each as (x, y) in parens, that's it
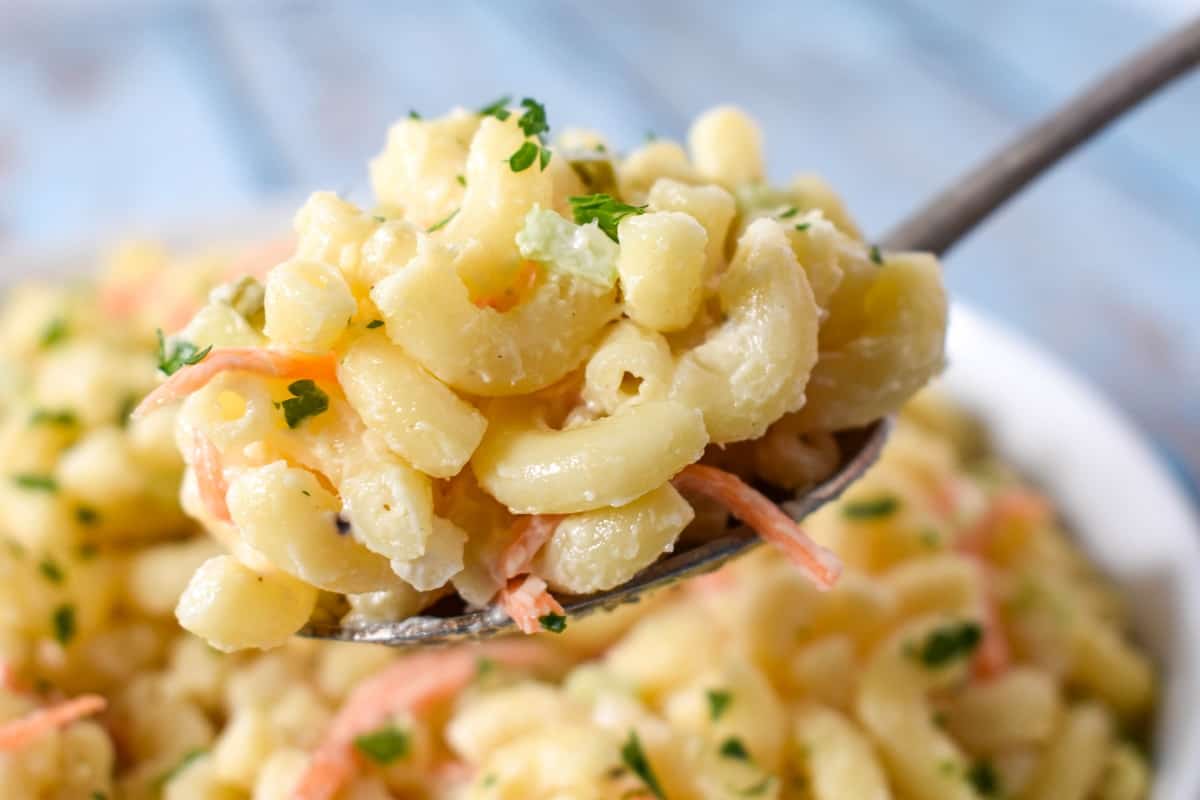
(1018, 505)
(274, 363)
(526, 599)
(19, 732)
(413, 684)
(713, 582)
(9, 680)
(530, 534)
(766, 518)
(210, 478)
(1015, 505)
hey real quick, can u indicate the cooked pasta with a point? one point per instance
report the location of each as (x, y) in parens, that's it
(968, 652)
(559, 332)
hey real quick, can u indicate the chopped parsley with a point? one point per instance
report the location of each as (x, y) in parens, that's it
(733, 748)
(948, 643)
(88, 551)
(533, 121)
(384, 745)
(484, 666)
(437, 226)
(524, 157)
(789, 212)
(54, 332)
(983, 777)
(634, 757)
(603, 210)
(803, 226)
(718, 702)
(184, 763)
(489, 780)
(51, 571)
(876, 255)
(875, 508)
(180, 354)
(757, 789)
(497, 108)
(375, 323)
(650, 136)
(35, 482)
(308, 400)
(86, 515)
(555, 623)
(931, 538)
(413, 114)
(379, 218)
(462, 181)
(44, 416)
(63, 621)
(99, 796)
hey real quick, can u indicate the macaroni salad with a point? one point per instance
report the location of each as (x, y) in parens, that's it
(526, 371)
(967, 652)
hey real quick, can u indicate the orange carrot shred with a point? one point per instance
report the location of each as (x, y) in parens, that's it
(413, 684)
(210, 478)
(766, 518)
(20, 732)
(273, 363)
(531, 532)
(526, 600)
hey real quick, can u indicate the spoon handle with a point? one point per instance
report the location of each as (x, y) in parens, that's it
(953, 213)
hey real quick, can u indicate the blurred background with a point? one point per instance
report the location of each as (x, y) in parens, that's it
(135, 116)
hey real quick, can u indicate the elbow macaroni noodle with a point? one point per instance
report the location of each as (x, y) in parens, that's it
(969, 651)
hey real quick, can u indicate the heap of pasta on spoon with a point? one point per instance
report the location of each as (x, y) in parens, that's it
(528, 371)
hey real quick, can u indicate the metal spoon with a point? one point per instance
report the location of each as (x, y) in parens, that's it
(936, 228)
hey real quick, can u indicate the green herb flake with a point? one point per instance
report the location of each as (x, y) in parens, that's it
(180, 354)
(523, 159)
(437, 226)
(876, 255)
(603, 210)
(488, 781)
(555, 623)
(51, 571)
(88, 551)
(789, 212)
(307, 400)
(718, 702)
(944, 645)
(931, 538)
(497, 108)
(544, 159)
(379, 218)
(733, 748)
(983, 777)
(533, 121)
(484, 667)
(184, 762)
(650, 136)
(99, 796)
(414, 114)
(384, 745)
(54, 333)
(803, 226)
(939, 719)
(875, 508)
(462, 180)
(35, 482)
(63, 622)
(634, 757)
(758, 789)
(375, 323)
(44, 416)
(86, 515)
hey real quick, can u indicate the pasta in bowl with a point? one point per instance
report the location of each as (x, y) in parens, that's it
(525, 369)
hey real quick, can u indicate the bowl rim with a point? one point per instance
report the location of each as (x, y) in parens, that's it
(1128, 511)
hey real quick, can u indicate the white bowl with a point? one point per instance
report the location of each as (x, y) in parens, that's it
(1124, 507)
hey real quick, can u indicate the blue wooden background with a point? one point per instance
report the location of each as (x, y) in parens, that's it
(136, 114)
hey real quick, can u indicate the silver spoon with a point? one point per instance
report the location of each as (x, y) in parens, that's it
(936, 227)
